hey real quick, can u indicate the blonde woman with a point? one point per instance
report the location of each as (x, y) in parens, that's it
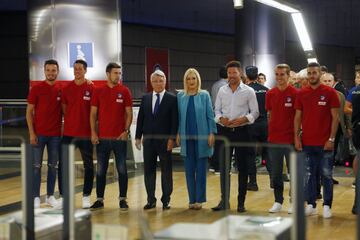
(196, 135)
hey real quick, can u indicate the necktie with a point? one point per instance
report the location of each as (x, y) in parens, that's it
(157, 103)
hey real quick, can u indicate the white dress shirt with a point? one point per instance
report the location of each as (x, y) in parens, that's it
(236, 104)
(154, 98)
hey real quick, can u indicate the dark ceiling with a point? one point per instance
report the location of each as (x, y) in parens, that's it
(335, 22)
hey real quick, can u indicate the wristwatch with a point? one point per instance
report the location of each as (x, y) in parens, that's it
(331, 140)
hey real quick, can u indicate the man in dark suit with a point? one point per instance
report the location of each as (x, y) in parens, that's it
(157, 122)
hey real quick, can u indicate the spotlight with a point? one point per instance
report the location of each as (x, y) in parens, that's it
(238, 4)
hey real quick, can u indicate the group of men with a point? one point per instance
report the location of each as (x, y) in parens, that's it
(306, 119)
(89, 114)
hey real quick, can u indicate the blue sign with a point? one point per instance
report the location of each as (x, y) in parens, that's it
(83, 51)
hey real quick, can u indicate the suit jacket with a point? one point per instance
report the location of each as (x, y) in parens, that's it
(165, 122)
(204, 119)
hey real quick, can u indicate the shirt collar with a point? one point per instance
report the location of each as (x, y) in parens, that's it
(161, 93)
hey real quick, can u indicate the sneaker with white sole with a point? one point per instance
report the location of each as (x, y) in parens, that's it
(275, 208)
(51, 201)
(327, 212)
(310, 210)
(36, 202)
(86, 202)
(290, 209)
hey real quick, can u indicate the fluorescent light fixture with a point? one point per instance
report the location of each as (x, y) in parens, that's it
(278, 5)
(302, 31)
(310, 60)
(238, 4)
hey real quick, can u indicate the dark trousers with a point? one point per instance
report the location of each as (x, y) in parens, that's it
(214, 160)
(259, 134)
(276, 157)
(86, 149)
(152, 150)
(103, 150)
(234, 135)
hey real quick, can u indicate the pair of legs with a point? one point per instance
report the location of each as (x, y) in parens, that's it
(152, 150)
(236, 136)
(318, 158)
(103, 150)
(52, 144)
(195, 172)
(86, 149)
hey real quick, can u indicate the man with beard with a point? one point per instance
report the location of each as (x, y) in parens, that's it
(235, 108)
(112, 107)
(317, 109)
(43, 116)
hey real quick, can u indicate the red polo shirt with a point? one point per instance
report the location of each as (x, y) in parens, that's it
(111, 104)
(46, 99)
(316, 105)
(77, 99)
(282, 107)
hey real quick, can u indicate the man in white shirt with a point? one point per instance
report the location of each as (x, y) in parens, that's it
(235, 108)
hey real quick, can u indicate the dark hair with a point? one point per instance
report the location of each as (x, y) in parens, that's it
(313, 64)
(323, 68)
(222, 72)
(51, 62)
(236, 64)
(285, 66)
(111, 66)
(261, 74)
(81, 62)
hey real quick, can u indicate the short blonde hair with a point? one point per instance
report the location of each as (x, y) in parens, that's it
(197, 74)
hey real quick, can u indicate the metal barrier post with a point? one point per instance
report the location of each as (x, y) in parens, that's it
(357, 192)
(1, 127)
(27, 176)
(297, 169)
(68, 183)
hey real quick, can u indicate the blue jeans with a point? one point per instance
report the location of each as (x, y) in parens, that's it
(52, 144)
(103, 150)
(195, 172)
(318, 159)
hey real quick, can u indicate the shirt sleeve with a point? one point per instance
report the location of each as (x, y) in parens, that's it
(253, 107)
(32, 96)
(218, 113)
(298, 103)
(128, 98)
(95, 97)
(334, 100)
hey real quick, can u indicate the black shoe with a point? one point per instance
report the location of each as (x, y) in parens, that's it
(241, 209)
(97, 205)
(123, 205)
(335, 181)
(354, 210)
(219, 207)
(166, 206)
(252, 187)
(150, 206)
(319, 196)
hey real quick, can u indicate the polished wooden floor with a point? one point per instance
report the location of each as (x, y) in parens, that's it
(341, 226)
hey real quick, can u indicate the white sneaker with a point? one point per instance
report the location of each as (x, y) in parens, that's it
(327, 212)
(59, 204)
(290, 209)
(36, 202)
(275, 208)
(310, 210)
(86, 202)
(51, 201)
